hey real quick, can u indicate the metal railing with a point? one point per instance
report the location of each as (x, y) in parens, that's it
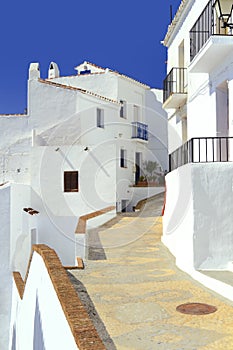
(209, 23)
(202, 150)
(139, 131)
(175, 82)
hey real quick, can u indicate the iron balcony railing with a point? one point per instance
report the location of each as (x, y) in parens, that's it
(139, 131)
(202, 150)
(175, 83)
(209, 23)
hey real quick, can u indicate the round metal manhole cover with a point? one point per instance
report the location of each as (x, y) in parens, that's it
(196, 309)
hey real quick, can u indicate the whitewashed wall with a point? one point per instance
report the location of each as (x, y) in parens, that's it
(13, 128)
(5, 273)
(48, 105)
(20, 227)
(213, 215)
(59, 210)
(198, 215)
(156, 118)
(178, 219)
(39, 314)
(104, 84)
(201, 105)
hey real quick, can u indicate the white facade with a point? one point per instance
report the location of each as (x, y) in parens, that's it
(83, 144)
(198, 216)
(202, 109)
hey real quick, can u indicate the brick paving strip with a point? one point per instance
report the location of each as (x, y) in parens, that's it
(136, 288)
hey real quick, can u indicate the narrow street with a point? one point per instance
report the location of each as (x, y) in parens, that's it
(133, 291)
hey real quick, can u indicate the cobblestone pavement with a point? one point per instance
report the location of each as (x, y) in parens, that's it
(136, 289)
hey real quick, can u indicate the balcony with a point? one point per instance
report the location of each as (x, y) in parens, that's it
(202, 150)
(175, 88)
(211, 38)
(139, 131)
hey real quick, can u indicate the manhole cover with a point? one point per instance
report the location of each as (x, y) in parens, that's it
(196, 309)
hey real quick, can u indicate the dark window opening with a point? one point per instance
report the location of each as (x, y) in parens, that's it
(100, 118)
(83, 72)
(123, 159)
(123, 109)
(71, 181)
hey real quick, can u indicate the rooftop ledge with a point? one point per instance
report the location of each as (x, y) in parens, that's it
(212, 54)
(14, 115)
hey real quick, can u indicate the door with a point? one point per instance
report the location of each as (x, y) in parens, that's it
(222, 122)
(137, 167)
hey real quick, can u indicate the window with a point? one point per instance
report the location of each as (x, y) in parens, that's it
(123, 163)
(100, 118)
(71, 181)
(123, 109)
(136, 113)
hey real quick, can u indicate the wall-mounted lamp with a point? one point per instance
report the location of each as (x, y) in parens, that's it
(224, 11)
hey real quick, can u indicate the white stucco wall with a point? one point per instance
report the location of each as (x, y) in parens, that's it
(13, 128)
(39, 297)
(104, 84)
(178, 221)
(20, 227)
(5, 273)
(59, 210)
(181, 33)
(198, 216)
(48, 105)
(204, 109)
(213, 215)
(156, 118)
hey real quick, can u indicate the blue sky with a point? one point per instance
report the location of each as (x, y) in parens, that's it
(123, 35)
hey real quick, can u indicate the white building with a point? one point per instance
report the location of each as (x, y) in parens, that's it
(198, 95)
(84, 143)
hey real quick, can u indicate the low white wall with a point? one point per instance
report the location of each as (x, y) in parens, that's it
(197, 223)
(39, 315)
(140, 193)
(178, 216)
(101, 219)
(81, 239)
(5, 274)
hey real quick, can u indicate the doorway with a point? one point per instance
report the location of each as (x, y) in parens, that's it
(222, 121)
(124, 204)
(138, 158)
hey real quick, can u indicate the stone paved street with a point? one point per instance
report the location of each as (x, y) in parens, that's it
(137, 287)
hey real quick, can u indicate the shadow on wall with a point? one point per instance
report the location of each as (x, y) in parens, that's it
(38, 340)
